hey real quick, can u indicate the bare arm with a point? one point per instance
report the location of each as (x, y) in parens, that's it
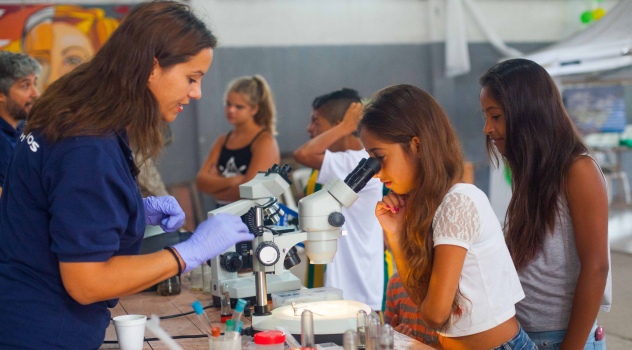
(588, 206)
(390, 214)
(447, 263)
(444, 280)
(265, 153)
(208, 179)
(312, 153)
(90, 282)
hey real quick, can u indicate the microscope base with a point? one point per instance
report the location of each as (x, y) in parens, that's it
(244, 287)
(331, 319)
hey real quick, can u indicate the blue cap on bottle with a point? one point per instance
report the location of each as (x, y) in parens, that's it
(241, 303)
(197, 307)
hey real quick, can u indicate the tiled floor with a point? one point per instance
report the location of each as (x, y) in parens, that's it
(618, 322)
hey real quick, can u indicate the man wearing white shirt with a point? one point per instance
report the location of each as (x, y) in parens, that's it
(335, 150)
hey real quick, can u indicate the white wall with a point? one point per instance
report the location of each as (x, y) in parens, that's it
(240, 23)
(247, 23)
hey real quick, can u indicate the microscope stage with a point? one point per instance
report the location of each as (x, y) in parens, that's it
(330, 316)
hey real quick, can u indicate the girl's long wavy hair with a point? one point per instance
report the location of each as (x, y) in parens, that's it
(541, 143)
(396, 115)
(110, 92)
(258, 93)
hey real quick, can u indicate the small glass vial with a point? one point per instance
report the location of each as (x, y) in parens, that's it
(170, 286)
(196, 279)
(349, 340)
(387, 341)
(206, 278)
(307, 330)
(225, 312)
(372, 333)
(361, 329)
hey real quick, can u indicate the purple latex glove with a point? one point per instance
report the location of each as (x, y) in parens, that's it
(164, 211)
(211, 238)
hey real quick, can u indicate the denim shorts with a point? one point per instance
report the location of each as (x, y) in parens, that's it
(520, 341)
(553, 340)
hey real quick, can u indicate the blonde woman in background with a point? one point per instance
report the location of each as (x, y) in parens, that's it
(249, 147)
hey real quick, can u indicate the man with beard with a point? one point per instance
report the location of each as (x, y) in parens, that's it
(18, 76)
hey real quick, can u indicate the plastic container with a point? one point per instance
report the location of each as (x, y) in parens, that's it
(225, 343)
(196, 279)
(206, 279)
(270, 340)
(305, 295)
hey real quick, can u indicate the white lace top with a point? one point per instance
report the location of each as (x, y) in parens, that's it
(489, 282)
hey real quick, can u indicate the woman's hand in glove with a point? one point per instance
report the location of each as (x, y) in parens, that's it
(164, 211)
(211, 238)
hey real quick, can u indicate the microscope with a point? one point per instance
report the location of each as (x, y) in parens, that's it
(272, 253)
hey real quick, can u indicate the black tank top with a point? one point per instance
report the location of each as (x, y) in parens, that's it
(235, 162)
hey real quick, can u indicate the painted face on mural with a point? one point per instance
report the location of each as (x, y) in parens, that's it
(59, 37)
(59, 48)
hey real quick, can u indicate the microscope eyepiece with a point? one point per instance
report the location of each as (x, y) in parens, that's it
(365, 170)
(284, 171)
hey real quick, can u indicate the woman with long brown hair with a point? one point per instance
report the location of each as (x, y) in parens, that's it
(557, 220)
(448, 245)
(71, 214)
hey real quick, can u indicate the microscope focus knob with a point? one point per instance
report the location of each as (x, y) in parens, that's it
(267, 253)
(336, 219)
(232, 262)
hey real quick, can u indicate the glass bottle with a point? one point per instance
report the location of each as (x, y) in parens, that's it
(170, 286)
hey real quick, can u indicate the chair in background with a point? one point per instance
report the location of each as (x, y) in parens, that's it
(610, 162)
(300, 177)
(288, 199)
(607, 149)
(188, 197)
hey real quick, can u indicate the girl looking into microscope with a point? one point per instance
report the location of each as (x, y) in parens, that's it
(250, 147)
(447, 242)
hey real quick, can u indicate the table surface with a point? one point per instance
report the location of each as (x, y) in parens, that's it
(148, 303)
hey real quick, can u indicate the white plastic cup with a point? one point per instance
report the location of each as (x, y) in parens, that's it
(130, 331)
(232, 342)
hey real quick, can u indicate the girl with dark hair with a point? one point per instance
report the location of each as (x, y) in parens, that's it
(556, 224)
(448, 245)
(71, 214)
(237, 156)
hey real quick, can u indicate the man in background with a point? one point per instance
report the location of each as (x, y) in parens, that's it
(335, 150)
(18, 79)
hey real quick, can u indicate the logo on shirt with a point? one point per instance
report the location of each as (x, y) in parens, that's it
(231, 169)
(30, 140)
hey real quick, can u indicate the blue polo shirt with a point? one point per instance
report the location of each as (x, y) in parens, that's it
(8, 138)
(73, 201)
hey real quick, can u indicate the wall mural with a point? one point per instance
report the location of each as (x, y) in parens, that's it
(59, 37)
